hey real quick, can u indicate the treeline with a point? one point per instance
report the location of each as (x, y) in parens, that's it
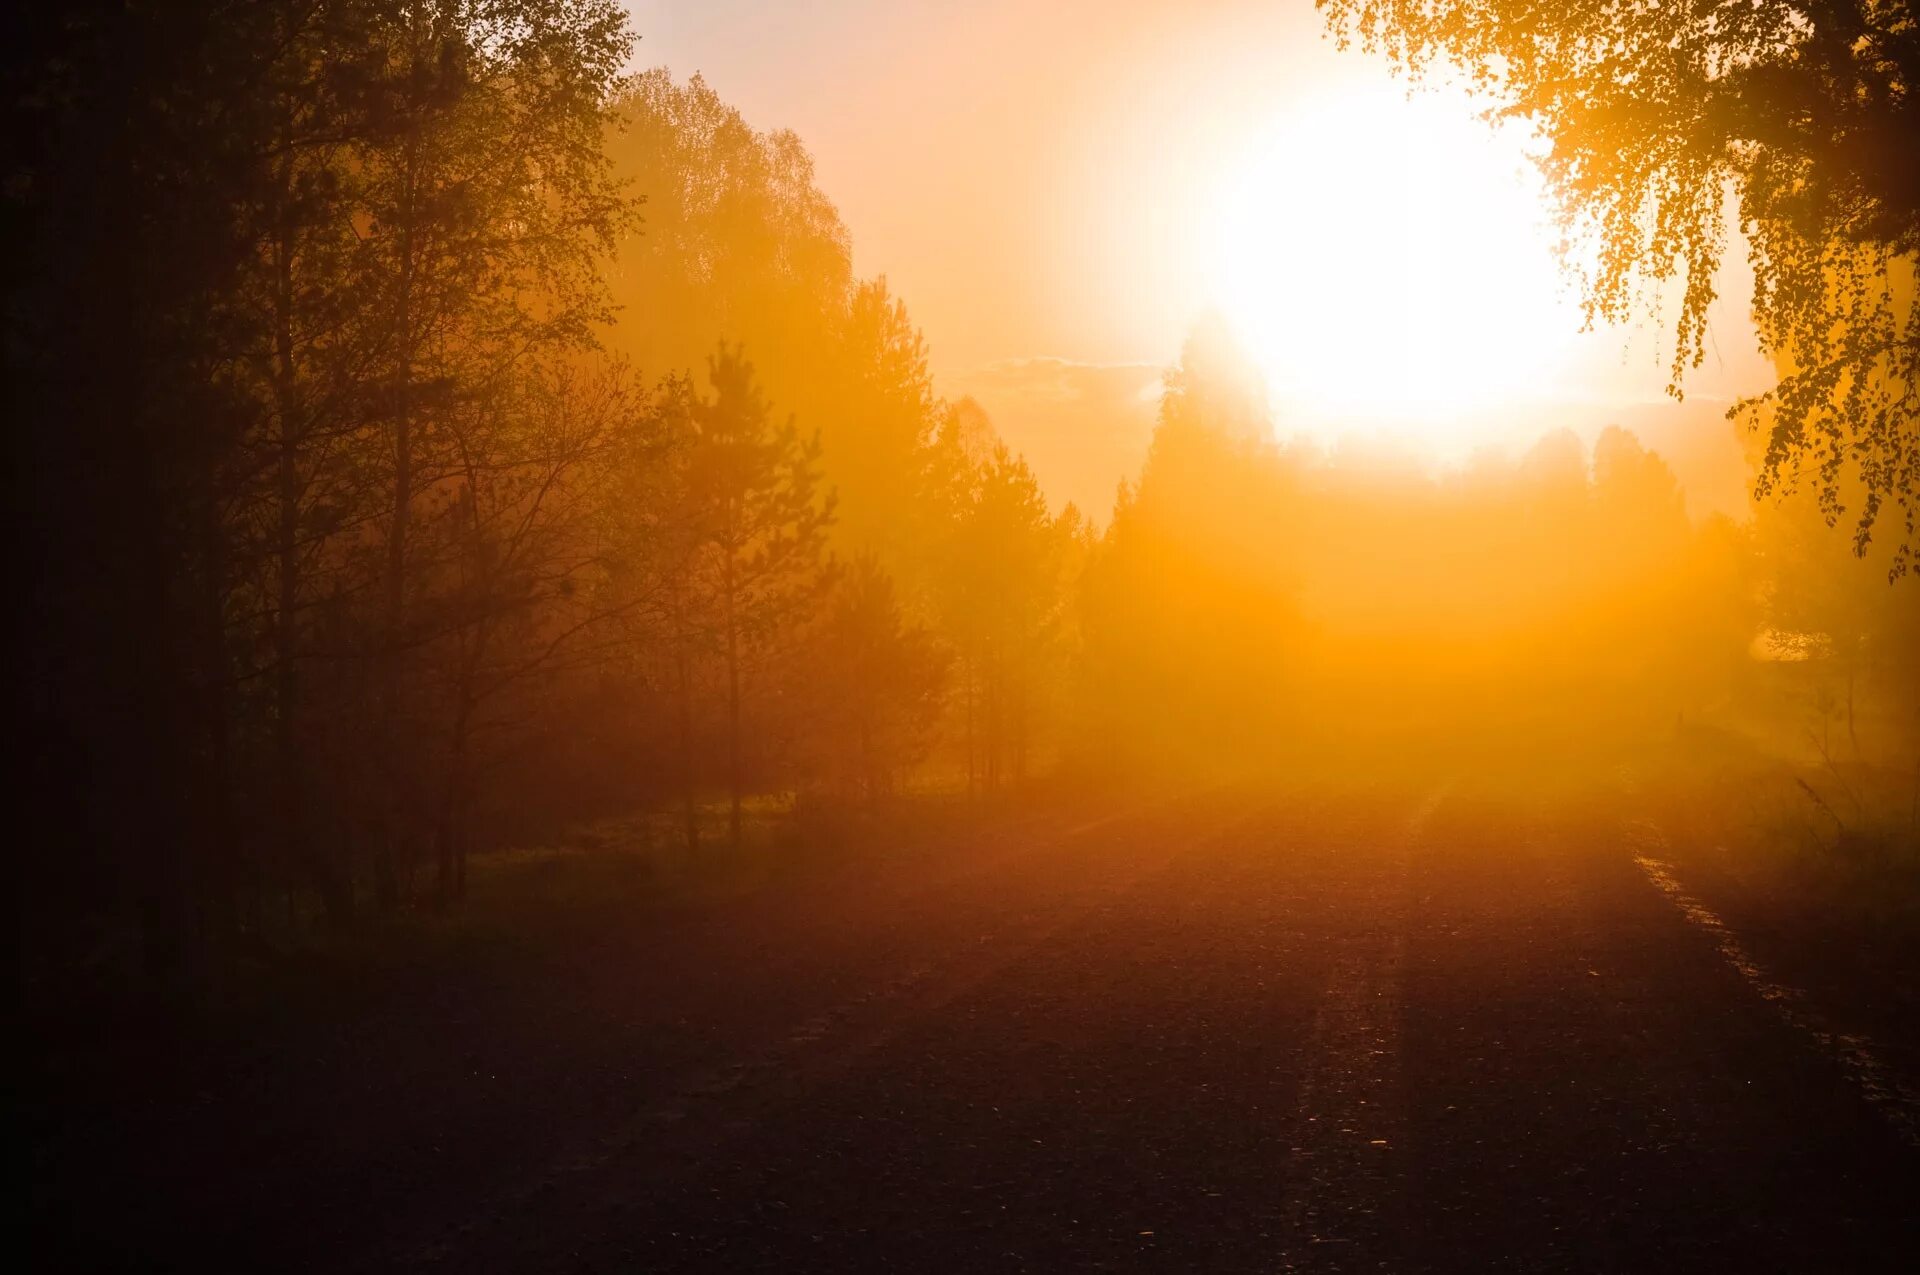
(419, 428)
(424, 436)
(1251, 598)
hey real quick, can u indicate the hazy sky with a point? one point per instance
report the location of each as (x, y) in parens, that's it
(1037, 180)
(1025, 174)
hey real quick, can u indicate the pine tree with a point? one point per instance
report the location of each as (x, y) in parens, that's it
(759, 522)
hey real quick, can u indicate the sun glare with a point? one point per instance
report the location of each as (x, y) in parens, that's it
(1389, 261)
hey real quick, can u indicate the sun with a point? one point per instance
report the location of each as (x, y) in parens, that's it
(1390, 261)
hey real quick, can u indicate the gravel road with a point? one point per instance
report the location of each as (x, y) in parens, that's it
(1405, 1026)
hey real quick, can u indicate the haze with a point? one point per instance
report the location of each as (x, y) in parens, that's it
(876, 635)
(1060, 190)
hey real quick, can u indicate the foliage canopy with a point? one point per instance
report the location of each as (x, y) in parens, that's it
(1653, 112)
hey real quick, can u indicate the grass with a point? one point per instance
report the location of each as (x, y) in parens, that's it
(525, 904)
(1838, 837)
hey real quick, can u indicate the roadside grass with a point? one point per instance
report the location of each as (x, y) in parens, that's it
(1814, 865)
(525, 902)
(527, 908)
(1836, 838)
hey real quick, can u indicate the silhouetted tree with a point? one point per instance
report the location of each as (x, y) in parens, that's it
(874, 682)
(1840, 625)
(314, 352)
(738, 243)
(759, 523)
(488, 198)
(513, 597)
(1652, 111)
(1000, 595)
(1198, 558)
(878, 418)
(137, 131)
(279, 263)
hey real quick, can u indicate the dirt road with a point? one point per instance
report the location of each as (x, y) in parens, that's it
(1400, 1026)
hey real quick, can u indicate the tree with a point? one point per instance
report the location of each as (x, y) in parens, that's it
(1000, 590)
(488, 200)
(313, 347)
(1216, 386)
(139, 133)
(512, 600)
(1189, 598)
(876, 679)
(1840, 624)
(282, 270)
(759, 524)
(738, 243)
(879, 418)
(1806, 110)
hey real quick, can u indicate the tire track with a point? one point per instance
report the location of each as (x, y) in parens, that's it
(1349, 1128)
(703, 1115)
(1858, 1056)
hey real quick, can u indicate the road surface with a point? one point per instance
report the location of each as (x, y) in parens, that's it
(1404, 1026)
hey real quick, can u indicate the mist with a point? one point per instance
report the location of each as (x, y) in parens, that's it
(561, 727)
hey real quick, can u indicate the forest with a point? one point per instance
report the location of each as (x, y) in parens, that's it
(430, 434)
(559, 732)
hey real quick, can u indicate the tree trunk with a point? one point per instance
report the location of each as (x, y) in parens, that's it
(450, 837)
(138, 624)
(733, 707)
(1853, 736)
(451, 829)
(685, 715)
(395, 599)
(214, 828)
(289, 793)
(1019, 710)
(996, 726)
(966, 688)
(868, 783)
(452, 833)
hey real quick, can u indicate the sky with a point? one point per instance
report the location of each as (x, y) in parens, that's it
(1054, 188)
